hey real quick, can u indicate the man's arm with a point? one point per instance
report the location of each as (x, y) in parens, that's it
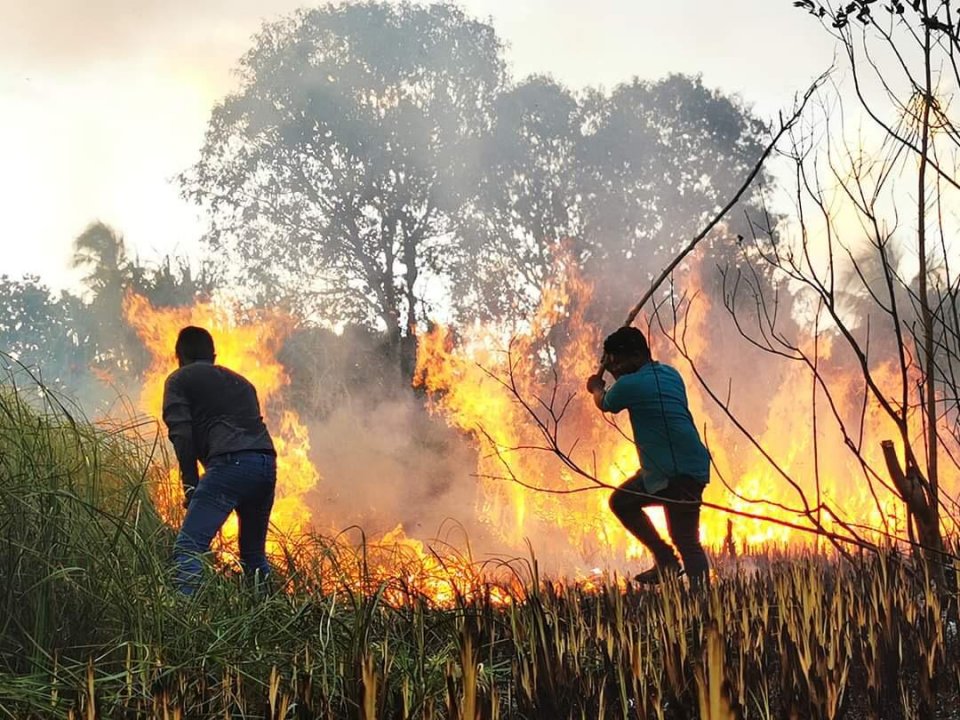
(179, 421)
(596, 385)
(597, 388)
(187, 459)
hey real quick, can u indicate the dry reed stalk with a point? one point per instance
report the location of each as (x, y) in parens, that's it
(712, 690)
(369, 686)
(468, 673)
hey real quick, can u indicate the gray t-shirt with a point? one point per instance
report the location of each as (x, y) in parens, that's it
(213, 411)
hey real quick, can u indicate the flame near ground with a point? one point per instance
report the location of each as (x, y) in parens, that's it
(303, 530)
(474, 385)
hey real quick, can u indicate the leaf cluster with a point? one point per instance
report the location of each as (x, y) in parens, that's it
(865, 13)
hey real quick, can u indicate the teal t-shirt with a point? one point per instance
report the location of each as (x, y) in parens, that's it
(667, 440)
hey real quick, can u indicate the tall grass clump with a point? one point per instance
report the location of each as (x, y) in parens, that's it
(81, 545)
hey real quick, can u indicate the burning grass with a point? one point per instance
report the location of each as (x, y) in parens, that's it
(92, 628)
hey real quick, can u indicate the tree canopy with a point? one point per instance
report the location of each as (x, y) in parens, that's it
(377, 161)
(626, 178)
(43, 332)
(333, 175)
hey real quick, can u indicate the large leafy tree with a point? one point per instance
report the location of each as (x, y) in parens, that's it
(621, 179)
(527, 204)
(659, 159)
(334, 174)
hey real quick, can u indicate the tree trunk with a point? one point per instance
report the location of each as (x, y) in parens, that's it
(408, 347)
(391, 311)
(922, 506)
(926, 314)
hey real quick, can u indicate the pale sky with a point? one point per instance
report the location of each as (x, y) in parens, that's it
(103, 102)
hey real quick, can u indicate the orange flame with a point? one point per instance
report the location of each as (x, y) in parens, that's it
(250, 349)
(475, 388)
(398, 566)
(525, 492)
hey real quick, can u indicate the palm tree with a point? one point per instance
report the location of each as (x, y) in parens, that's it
(100, 250)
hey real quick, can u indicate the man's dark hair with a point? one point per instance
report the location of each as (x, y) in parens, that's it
(626, 341)
(194, 343)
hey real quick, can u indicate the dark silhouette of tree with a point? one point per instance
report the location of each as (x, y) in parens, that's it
(333, 176)
(528, 202)
(100, 251)
(62, 338)
(172, 282)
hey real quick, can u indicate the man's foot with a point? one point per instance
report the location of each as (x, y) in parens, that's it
(656, 574)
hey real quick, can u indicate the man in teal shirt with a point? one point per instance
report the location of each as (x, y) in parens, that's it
(674, 464)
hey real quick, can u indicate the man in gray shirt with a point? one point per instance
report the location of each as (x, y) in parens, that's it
(213, 417)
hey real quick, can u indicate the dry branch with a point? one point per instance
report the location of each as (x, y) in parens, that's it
(785, 126)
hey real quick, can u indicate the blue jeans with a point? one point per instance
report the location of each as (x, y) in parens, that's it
(243, 481)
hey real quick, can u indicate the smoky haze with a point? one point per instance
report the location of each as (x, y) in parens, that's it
(415, 176)
(386, 464)
(462, 191)
(102, 103)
